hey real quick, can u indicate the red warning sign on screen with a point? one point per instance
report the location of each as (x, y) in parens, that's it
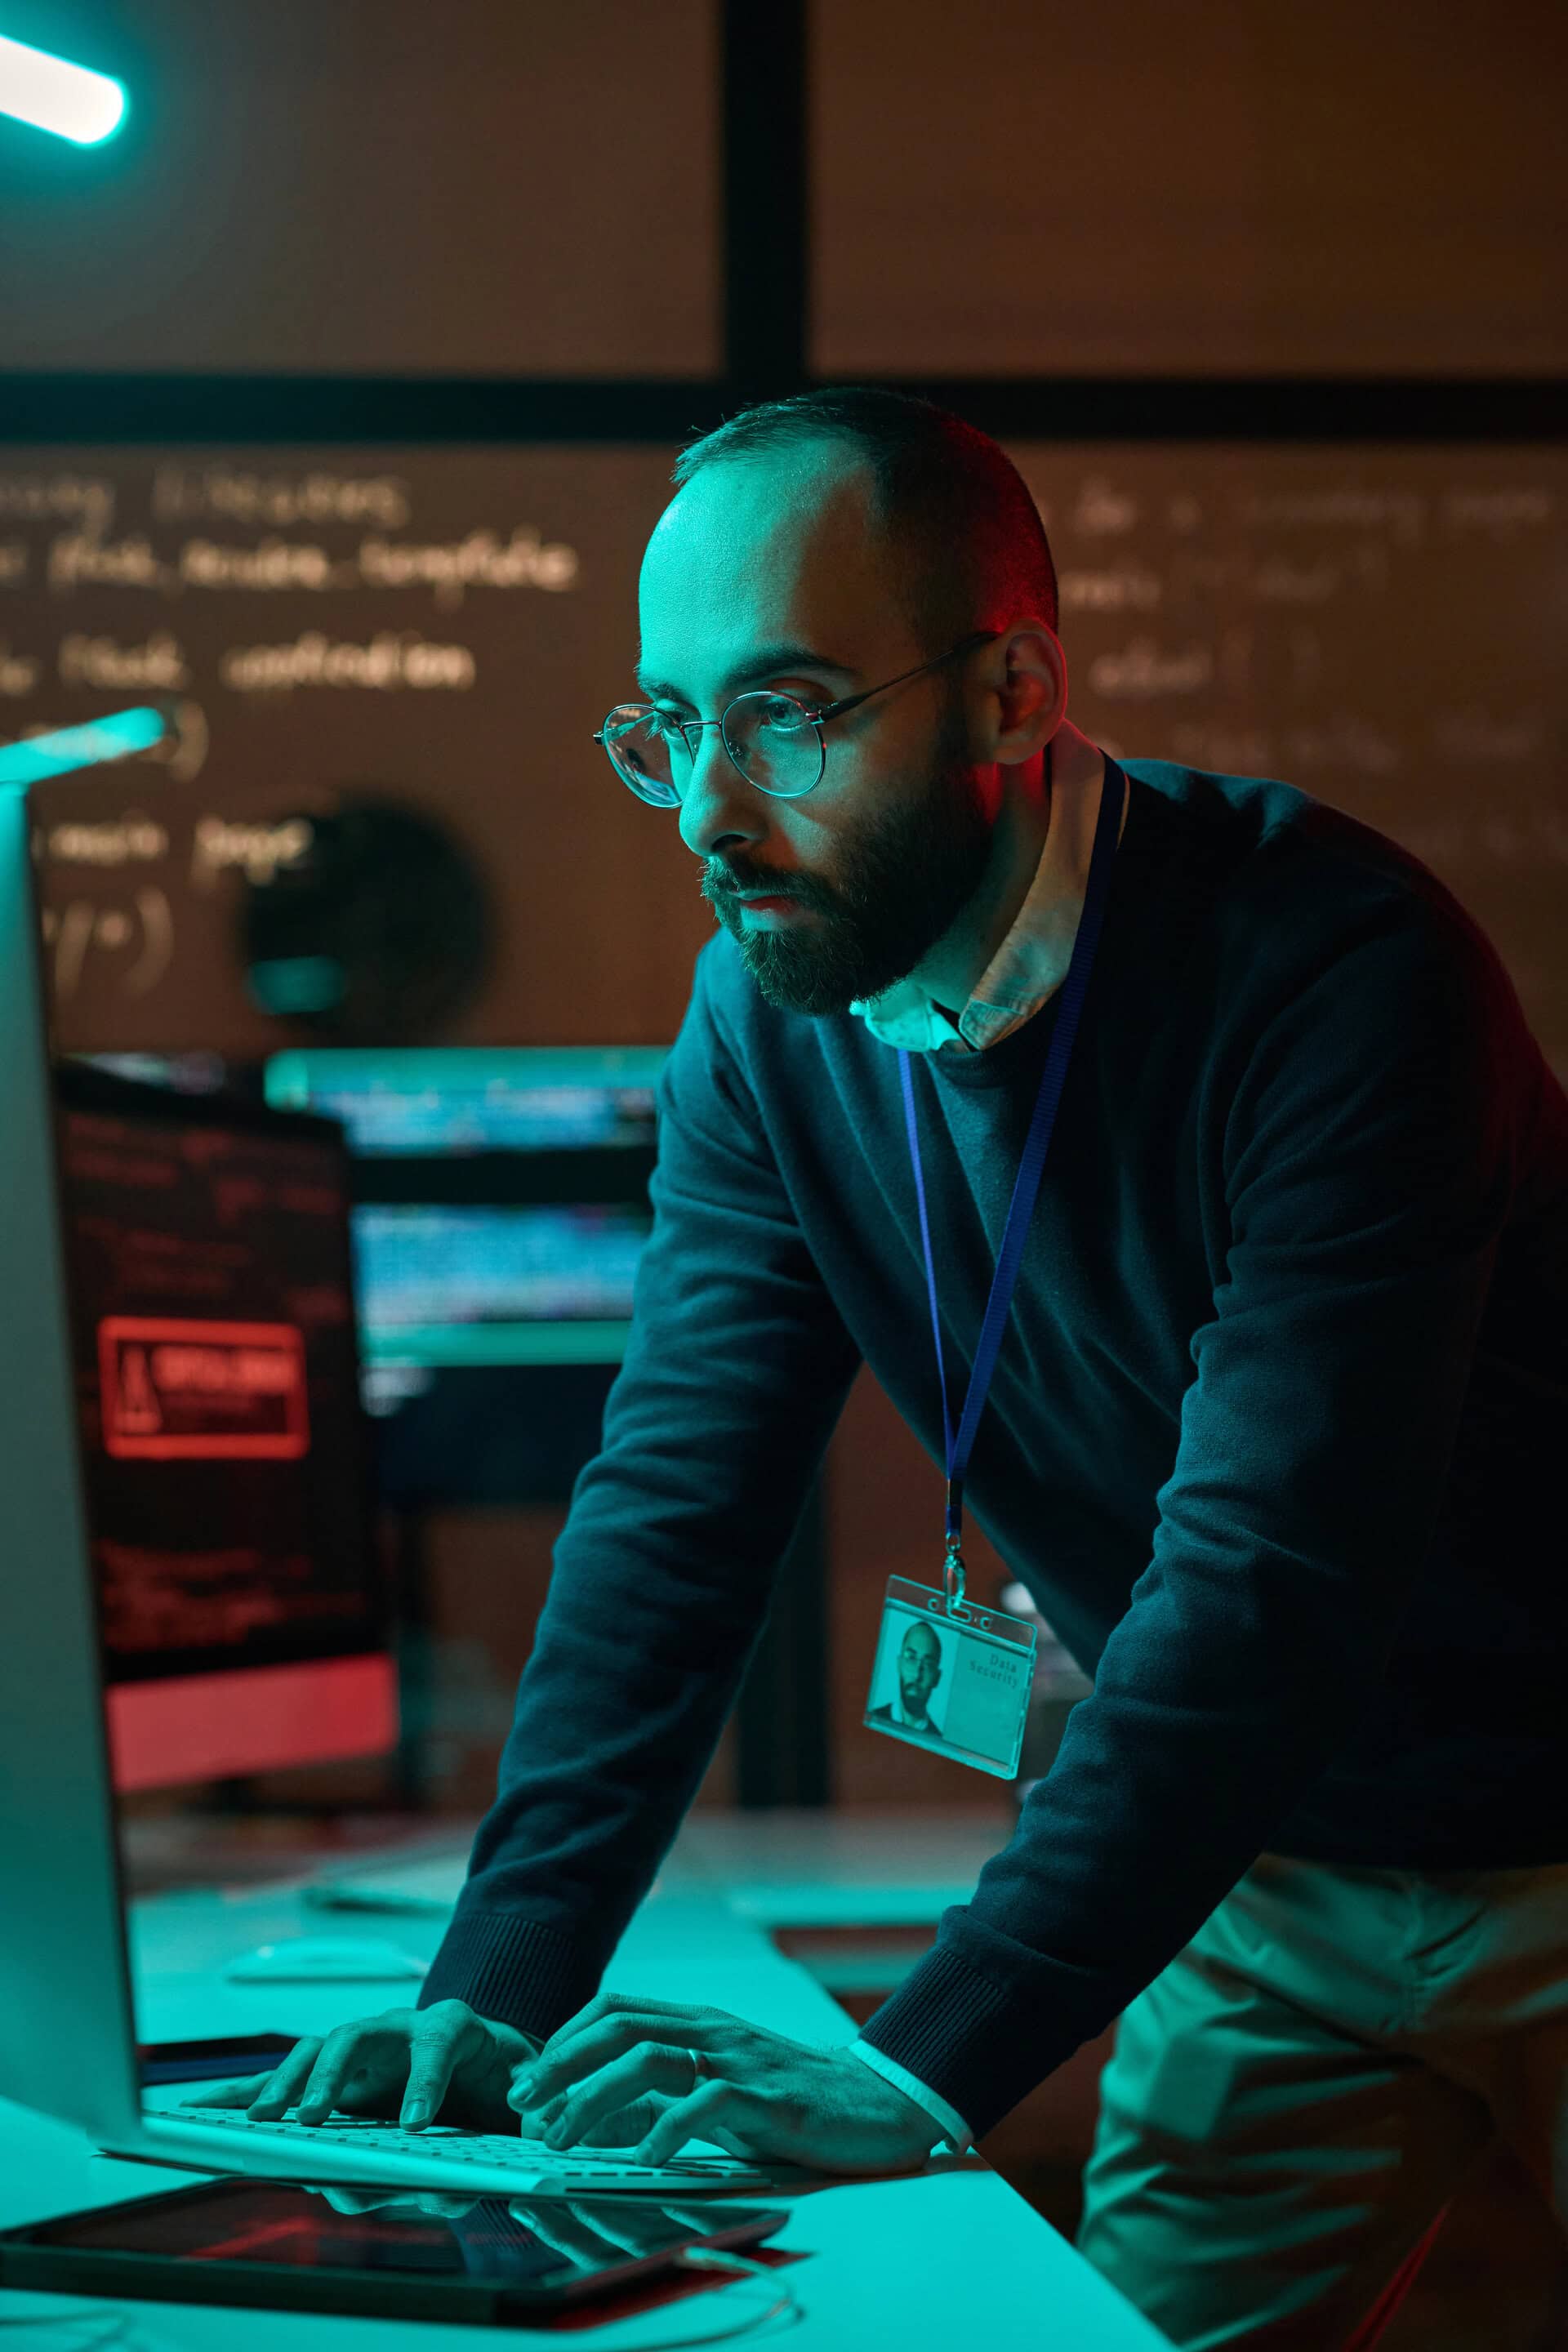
(174, 1390)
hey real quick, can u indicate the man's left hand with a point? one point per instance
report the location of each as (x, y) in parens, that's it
(751, 2093)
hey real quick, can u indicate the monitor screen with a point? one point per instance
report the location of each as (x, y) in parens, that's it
(497, 1284)
(437, 1102)
(212, 1332)
(500, 1196)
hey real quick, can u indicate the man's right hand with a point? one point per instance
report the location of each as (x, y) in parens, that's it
(441, 2064)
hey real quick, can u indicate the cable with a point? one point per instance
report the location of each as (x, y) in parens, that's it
(718, 2258)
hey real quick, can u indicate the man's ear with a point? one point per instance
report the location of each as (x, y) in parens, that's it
(1033, 699)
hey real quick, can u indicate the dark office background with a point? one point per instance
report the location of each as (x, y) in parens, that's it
(1269, 306)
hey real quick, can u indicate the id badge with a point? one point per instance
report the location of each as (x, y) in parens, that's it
(951, 1677)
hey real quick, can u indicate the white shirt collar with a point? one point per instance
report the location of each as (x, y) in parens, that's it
(1032, 961)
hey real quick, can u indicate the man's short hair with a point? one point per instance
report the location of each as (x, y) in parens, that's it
(966, 545)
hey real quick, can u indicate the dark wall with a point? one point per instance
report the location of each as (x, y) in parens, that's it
(471, 616)
(1220, 190)
(372, 187)
(385, 187)
(1378, 625)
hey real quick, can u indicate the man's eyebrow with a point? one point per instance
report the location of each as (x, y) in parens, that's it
(766, 663)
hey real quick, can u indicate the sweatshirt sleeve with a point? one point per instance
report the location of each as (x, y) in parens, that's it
(1367, 1158)
(736, 1370)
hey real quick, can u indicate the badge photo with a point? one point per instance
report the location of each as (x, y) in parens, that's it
(951, 1677)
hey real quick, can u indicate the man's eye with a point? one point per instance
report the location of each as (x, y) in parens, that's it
(786, 711)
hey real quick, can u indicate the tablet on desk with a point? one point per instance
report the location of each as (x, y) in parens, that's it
(213, 2059)
(245, 2241)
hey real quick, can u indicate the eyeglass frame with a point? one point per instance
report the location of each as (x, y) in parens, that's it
(688, 727)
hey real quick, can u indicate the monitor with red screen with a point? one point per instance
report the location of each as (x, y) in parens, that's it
(216, 1370)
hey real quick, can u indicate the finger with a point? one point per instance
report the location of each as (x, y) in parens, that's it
(622, 2129)
(613, 2004)
(646, 2066)
(441, 2037)
(628, 2125)
(288, 2078)
(668, 2018)
(610, 2038)
(349, 2055)
(530, 2123)
(712, 2104)
(665, 2021)
(227, 2095)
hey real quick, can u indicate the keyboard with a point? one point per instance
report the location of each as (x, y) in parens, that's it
(355, 2149)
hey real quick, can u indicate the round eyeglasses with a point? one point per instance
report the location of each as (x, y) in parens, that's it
(773, 741)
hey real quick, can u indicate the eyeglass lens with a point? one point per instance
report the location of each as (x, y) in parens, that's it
(770, 738)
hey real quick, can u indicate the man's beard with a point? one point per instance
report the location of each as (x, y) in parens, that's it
(904, 882)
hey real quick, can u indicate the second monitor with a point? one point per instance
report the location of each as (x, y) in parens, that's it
(500, 1210)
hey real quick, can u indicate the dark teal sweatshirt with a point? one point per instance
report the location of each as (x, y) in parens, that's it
(1275, 1437)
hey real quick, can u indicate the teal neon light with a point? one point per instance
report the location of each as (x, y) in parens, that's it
(52, 94)
(115, 738)
(494, 1343)
(298, 1078)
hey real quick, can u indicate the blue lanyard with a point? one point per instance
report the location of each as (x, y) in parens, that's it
(1031, 1168)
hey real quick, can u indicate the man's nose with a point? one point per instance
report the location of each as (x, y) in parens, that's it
(717, 799)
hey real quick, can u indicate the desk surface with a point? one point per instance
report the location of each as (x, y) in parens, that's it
(951, 2257)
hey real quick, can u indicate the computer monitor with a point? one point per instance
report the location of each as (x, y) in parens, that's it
(67, 2043)
(67, 2035)
(500, 1196)
(500, 1210)
(226, 1460)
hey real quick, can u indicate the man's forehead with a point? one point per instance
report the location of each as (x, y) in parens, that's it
(754, 557)
(802, 490)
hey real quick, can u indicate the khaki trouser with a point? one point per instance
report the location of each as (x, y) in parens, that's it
(1291, 2102)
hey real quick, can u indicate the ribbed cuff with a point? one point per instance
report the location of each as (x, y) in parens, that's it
(512, 1970)
(980, 2037)
(956, 2136)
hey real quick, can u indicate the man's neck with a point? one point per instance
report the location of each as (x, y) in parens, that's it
(951, 972)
